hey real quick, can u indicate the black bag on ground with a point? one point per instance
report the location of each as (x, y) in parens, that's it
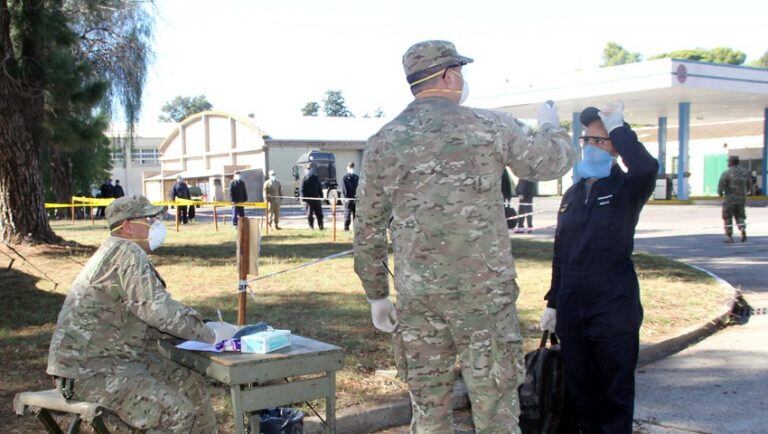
(278, 421)
(510, 212)
(544, 406)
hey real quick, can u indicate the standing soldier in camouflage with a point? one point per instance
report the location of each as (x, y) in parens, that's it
(272, 195)
(117, 308)
(435, 170)
(735, 184)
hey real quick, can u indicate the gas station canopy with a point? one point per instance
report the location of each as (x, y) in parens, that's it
(653, 92)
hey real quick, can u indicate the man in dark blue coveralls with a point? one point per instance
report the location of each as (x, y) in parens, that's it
(594, 301)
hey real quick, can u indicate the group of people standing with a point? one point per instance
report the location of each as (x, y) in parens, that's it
(107, 190)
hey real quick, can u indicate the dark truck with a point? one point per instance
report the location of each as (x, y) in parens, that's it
(326, 171)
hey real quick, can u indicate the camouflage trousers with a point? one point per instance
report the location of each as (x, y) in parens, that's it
(274, 212)
(483, 331)
(167, 398)
(733, 210)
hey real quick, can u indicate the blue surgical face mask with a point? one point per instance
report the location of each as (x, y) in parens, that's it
(595, 163)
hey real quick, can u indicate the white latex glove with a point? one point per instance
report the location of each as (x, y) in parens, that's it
(222, 330)
(548, 319)
(383, 315)
(547, 114)
(612, 116)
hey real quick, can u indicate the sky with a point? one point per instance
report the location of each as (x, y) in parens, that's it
(269, 58)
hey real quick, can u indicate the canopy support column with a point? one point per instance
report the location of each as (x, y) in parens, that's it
(576, 130)
(684, 120)
(662, 157)
(765, 153)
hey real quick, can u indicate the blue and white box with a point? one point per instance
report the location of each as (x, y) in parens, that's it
(265, 342)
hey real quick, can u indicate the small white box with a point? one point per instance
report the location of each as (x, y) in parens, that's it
(265, 342)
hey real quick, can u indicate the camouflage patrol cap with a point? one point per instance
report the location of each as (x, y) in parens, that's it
(128, 207)
(427, 57)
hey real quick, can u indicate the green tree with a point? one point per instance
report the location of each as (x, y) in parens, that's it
(715, 55)
(335, 106)
(37, 39)
(310, 109)
(762, 62)
(615, 54)
(379, 113)
(182, 107)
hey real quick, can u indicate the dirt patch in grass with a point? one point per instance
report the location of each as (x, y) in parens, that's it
(324, 302)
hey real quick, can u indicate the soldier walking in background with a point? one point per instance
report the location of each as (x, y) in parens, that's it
(311, 187)
(181, 190)
(272, 194)
(349, 191)
(735, 184)
(237, 194)
(433, 172)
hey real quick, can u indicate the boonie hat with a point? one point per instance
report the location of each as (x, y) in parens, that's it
(428, 57)
(130, 207)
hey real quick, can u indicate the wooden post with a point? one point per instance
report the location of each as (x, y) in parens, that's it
(215, 219)
(333, 211)
(73, 210)
(242, 266)
(177, 217)
(90, 210)
(266, 219)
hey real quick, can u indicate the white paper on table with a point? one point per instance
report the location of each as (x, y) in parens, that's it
(198, 346)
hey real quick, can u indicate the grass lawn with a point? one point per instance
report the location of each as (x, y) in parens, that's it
(324, 301)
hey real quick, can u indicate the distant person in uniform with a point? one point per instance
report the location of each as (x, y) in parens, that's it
(103, 347)
(117, 191)
(273, 193)
(181, 190)
(106, 191)
(593, 303)
(311, 187)
(237, 194)
(349, 191)
(506, 188)
(735, 184)
(524, 192)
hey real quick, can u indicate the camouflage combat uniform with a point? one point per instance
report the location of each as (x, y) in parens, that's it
(273, 188)
(106, 335)
(435, 170)
(734, 185)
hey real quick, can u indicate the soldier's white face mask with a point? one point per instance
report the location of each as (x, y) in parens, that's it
(272, 178)
(237, 177)
(464, 87)
(350, 170)
(157, 233)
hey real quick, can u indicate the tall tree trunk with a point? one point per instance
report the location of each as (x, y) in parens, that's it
(61, 179)
(22, 210)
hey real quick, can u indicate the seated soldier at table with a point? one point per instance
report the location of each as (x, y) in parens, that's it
(102, 347)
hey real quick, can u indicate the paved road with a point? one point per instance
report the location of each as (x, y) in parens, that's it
(718, 385)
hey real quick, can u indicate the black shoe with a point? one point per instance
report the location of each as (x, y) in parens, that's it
(743, 235)
(728, 239)
(277, 227)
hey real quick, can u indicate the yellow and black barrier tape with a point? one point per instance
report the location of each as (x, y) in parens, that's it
(78, 201)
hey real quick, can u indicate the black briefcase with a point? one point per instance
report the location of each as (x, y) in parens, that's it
(544, 404)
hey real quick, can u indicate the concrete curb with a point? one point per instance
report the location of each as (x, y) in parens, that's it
(357, 420)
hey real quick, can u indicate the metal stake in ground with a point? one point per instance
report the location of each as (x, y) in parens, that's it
(243, 243)
(333, 211)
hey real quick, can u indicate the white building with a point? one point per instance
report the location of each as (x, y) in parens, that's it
(133, 160)
(207, 148)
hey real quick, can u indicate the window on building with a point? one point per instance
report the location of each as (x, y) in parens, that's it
(117, 155)
(674, 165)
(145, 155)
